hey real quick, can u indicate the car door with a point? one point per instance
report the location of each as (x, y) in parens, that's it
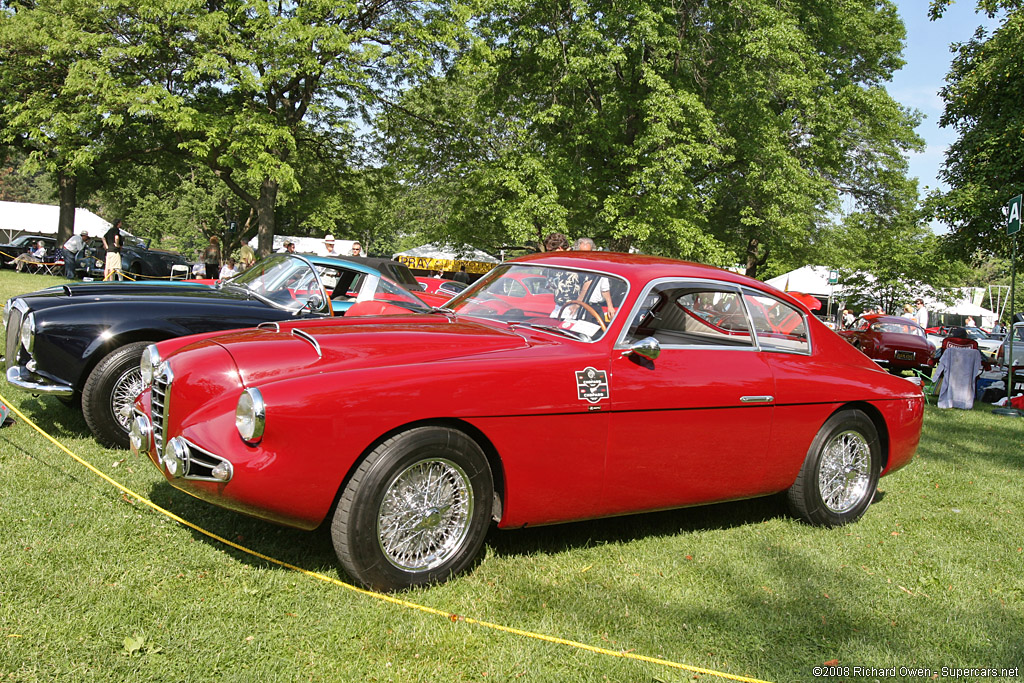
(692, 425)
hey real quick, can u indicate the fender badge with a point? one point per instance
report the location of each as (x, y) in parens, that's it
(592, 384)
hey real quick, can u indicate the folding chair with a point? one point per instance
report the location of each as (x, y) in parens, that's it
(929, 388)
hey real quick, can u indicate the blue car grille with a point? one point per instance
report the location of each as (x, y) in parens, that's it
(12, 346)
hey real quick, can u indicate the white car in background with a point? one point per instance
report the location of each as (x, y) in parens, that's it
(1003, 355)
(989, 346)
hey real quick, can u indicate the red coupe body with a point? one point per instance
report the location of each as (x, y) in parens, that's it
(441, 286)
(704, 386)
(891, 341)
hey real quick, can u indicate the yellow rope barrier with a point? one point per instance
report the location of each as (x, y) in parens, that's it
(381, 596)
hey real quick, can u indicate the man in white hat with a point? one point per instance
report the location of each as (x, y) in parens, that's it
(329, 246)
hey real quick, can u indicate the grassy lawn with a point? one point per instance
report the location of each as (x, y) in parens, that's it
(94, 585)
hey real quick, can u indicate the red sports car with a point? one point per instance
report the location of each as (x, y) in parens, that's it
(438, 285)
(893, 342)
(702, 386)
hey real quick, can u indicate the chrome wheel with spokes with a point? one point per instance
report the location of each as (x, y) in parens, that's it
(845, 471)
(109, 393)
(425, 515)
(837, 481)
(415, 510)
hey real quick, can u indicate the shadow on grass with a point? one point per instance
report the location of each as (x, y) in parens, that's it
(54, 417)
(961, 435)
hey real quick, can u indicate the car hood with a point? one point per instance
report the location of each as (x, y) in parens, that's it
(289, 350)
(63, 295)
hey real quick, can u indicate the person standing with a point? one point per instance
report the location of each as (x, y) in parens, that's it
(461, 276)
(246, 257)
(357, 249)
(921, 314)
(600, 293)
(329, 246)
(71, 248)
(211, 257)
(112, 242)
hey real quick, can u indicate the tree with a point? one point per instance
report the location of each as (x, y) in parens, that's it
(708, 130)
(984, 168)
(49, 107)
(890, 257)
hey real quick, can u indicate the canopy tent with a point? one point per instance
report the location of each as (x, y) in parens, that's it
(21, 218)
(308, 245)
(447, 259)
(811, 280)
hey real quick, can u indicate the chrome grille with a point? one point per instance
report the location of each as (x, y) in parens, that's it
(12, 345)
(160, 404)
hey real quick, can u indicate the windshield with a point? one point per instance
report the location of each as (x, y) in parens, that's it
(577, 303)
(291, 282)
(898, 328)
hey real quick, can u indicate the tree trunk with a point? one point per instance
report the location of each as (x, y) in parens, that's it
(268, 199)
(68, 200)
(755, 259)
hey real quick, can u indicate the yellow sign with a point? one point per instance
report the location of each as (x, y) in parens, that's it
(445, 264)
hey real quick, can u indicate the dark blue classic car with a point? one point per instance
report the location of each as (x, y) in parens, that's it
(83, 341)
(137, 260)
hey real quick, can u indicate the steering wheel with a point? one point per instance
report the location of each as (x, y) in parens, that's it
(586, 307)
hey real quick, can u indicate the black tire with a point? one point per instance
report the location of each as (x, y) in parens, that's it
(840, 474)
(447, 528)
(108, 390)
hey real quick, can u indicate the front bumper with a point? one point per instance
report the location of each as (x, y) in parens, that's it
(22, 378)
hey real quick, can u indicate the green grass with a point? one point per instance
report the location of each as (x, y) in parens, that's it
(96, 586)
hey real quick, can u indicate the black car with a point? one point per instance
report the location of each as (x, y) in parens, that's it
(84, 341)
(23, 245)
(137, 260)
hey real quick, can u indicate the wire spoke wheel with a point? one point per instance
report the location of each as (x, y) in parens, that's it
(845, 472)
(425, 515)
(126, 389)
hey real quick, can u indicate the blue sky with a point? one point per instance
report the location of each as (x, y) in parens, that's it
(918, 83)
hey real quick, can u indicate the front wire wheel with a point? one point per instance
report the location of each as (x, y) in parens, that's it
(425, 515)
(415, 511)
(840, 474)
(109, 393)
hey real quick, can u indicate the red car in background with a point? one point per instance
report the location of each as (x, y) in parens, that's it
(409, 434)
(893, 342)
(441, 286)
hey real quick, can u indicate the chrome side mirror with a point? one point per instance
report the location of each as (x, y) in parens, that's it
(648, 348)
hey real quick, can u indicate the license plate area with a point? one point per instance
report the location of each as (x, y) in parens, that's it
(904, 355)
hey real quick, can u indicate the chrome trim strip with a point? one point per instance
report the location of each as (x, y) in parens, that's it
(26, 381)
(269, 326)
(302, 334)
(208, 462)
(756, 399)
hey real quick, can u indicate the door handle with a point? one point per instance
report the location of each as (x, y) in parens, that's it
(756, 399)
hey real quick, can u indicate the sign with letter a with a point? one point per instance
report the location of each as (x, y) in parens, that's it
(1013, 216)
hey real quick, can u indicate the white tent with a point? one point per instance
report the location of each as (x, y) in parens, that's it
(308, 245)
(811, 280)
(447, 258)
(21, 218)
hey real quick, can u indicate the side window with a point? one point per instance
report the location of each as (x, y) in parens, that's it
(779, 326)
(691, 314)
(513, 288)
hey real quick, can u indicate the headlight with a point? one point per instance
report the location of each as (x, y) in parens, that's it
(250, 415)
(149, 364)
(28, 332)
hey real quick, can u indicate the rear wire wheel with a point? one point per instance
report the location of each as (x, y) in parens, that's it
(839, 476)
(415, 511)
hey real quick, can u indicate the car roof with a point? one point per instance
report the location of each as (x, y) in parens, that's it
(642, 268)
(896, 319)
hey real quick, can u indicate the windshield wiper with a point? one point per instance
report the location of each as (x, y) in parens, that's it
(573, 334)
(447, 312)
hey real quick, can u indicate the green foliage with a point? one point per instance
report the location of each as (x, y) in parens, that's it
(890, 258)
(696, 129)
(984, 168)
